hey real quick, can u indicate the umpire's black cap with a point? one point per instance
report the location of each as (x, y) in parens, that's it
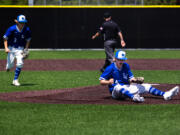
(107, 15)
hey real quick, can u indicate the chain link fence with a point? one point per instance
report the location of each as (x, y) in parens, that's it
(86, 2)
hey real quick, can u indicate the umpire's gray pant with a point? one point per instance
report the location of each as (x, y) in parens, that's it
(109, 47)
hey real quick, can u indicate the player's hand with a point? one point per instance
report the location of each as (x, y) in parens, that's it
(138, 80)
(93, 37)
(7, 50)
(111, 81)
(123, 44)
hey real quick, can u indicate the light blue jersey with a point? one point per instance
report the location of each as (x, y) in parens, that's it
(120, 76)
(17, 38)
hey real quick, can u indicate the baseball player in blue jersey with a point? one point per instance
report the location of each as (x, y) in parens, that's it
(16, 40)
(122, 83)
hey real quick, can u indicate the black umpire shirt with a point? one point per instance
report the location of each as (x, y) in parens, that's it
(110, 30)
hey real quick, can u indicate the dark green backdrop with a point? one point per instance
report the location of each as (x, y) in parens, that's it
(73, 27)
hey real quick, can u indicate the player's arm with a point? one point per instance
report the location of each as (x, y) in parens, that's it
(95, 35)
(27, 44)
(6, 46)
(100, 31)
(106, 76)
(107, 82)
(28, 40)
(5, 37)
(132, 79)
(123, 44)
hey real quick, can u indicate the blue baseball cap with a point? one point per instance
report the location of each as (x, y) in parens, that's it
(21, 19)
(120, 55)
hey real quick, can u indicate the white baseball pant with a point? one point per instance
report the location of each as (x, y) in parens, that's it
(132, 88)
(15, 53)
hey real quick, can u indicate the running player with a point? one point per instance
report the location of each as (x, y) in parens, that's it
(16, 39)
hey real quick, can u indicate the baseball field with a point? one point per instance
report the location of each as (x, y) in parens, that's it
(60, 95)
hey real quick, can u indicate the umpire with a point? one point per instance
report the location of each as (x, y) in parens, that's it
(110, 31)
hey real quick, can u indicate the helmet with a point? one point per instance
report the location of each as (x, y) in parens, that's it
(120, 55)
(21, 19)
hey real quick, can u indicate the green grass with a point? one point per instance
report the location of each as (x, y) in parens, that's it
(135, 54)
(159, 76)
(51, 119)
(43, 80)
(59, 119)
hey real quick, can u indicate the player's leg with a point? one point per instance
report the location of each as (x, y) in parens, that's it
(147, 88)
(109, 51)
(19, 66)
(10, 60)
(138, 89)
(172, 92)
(122, 91)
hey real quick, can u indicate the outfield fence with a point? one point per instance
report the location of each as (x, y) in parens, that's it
(61, 27)
(103, 2)
(86, 2)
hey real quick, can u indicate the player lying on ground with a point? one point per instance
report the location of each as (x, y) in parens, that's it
(16, 42)
(122, 83)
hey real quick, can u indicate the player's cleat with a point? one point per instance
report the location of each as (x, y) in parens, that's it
(137, 98)
(16, 83)
(168, 95)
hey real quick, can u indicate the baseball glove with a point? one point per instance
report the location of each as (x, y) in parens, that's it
(138, 80)
(25, 53)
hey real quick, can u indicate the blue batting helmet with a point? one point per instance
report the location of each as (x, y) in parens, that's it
(21, 19)
(120, 55)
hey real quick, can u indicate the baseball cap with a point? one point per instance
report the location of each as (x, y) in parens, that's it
(107, 15)
(120, 55)
(21, 19)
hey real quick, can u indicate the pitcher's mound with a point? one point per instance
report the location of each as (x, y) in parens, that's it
(83, 95)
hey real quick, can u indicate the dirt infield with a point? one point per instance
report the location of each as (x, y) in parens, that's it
(83, 95)
(88, 95)
(90, 64)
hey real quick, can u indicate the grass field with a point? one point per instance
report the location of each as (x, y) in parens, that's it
(143, 54)
(58, 119)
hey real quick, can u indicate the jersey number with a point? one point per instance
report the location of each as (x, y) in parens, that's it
(15, 40)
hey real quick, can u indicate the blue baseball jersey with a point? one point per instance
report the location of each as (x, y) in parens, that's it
(17, 38)
(120, 76)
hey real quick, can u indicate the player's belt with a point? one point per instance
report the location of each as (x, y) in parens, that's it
(19, 47)
(110, 39)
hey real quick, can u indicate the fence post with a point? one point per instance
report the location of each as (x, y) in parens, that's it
(44, 2)
(98, 2)
(116, 2)
(30, 2)
(142, 2)
(60, 2)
